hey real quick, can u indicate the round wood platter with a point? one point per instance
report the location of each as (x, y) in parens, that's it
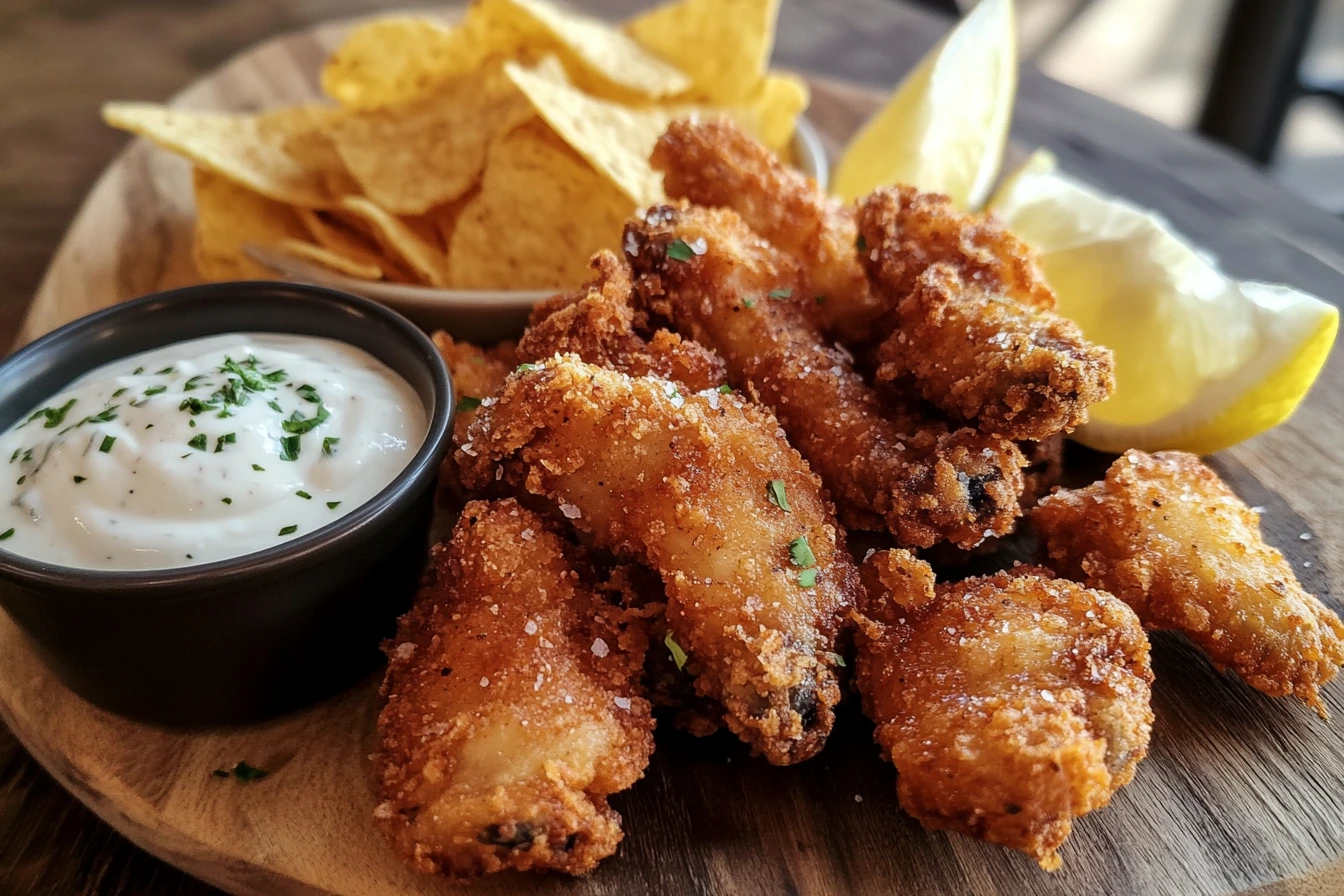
(1241, 793)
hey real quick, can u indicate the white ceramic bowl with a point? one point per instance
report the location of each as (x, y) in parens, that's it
(484, 315)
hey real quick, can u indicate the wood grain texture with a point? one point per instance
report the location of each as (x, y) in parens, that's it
(1241, 793)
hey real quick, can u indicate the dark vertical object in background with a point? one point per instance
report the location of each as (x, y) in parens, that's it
(1257, 75)
(949, 7)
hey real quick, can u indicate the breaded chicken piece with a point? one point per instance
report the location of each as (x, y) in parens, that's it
(601, 326)
(513, 706)
(695, 487)
(1045, 469)
(715, 163)
(973, 329)
(477, 374)
(1164, 534)
(905, 473)
(1010, 704)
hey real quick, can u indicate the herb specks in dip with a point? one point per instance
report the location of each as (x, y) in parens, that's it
(204, 451)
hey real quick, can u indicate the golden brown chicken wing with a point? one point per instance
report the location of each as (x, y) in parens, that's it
(1164, 534)
(1010, 704)
(887, 467)
(704, 490)
(513, 706)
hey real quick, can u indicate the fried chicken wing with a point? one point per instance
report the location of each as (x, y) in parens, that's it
(1010, 704)
(1163, 533)
(477, 373)
(601, 326)
(886, 467)
(513, 706)
(715, 163)
(696, 487)
(973, 329)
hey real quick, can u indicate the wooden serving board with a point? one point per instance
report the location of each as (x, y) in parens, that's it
(1240, 792)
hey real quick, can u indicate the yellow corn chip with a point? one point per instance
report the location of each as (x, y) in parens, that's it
(615, 139)
(341, 264)
(411, 157)
(426, 260)
(724, 45)
(772, 114)
(541, 212)
(250, 150)
(350, 239)
(228, 217)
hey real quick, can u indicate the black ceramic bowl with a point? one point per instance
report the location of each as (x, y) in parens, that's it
(245, 638)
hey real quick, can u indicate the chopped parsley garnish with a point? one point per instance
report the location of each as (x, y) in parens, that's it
(289, 448)
(28, 456)
(468, 403)
(6, 534)
(835, 658)
(308, 393)
(774, 490)
(807, 578)
(155, 390)
(120, 392)
(297, 424)
(149, 426)
(725, 389)
(108, 442)
(55, 416)
(680, 250)
(332, 505)
(165, 371)
(329, 445)
(524, 367)
(192, 423)
(193, 382)
(106, 415)
(800, 552)
(244, 773)
(227, 500)
(79, 479)
(259, 468)
(21, 480)
(15, 456)
(289, 530)
(678, 655)
(227, 439)
(275, 406)
(304, 495)
(197, 406)
(137, 371)
(247, 374)
(198, 441)
(861, 244)
(748, 304)
(781, 293)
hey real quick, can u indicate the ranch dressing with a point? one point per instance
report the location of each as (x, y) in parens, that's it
(202, 451)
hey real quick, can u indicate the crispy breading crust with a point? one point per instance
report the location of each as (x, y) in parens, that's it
(601, 326)
(680, 482)
(1163, 533)
(477, 373)
(973, 329)
(1009, 704)
(902, 471)
(715, 163)
(513, 706)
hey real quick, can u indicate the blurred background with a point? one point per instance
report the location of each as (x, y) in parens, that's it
(1265, 77)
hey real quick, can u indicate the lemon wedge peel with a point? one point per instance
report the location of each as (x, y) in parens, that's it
(945, 127)
(1239, 357)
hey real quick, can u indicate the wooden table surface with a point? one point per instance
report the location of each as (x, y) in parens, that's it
(59, 59)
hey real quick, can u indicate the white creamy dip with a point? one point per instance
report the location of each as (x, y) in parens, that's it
(204, 450)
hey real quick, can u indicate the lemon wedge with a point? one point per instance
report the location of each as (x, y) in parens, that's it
(1202, 361)
(944, 128)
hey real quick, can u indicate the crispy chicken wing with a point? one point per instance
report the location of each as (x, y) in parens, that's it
(1010, 704)
(886, 467)
(973, 327)
(715, 163)
(601, 326)
(513, 706)
(1163, 533)
(695, 486)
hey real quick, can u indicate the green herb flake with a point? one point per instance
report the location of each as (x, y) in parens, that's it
(137, 371)
(192, 423)
(680, 250)
(748, 304)
(332, 505)
(108, 442)
(165, 371)
(774, 490)
(193, 382)
(298, 425)
(120, 392)
(800, 552)
(308, 393)
(5, 535)
(329, 445)
(79, 479)
(274, 376)
(678, 655)
(835, 658)
(54, 416)
(21, 480)
(155, 390)
(725, 389)
(15, 456)
(468, 403)
(304, 495)
(289, 530)
(228, 438)
(523, 368)
(289, 448)
(198, 441)
(227, 500)
(807, 578)
(259, 468)
(248, 773)
(275, 406)
(781, 293)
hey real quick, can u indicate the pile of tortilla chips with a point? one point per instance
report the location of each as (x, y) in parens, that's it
(497, 153)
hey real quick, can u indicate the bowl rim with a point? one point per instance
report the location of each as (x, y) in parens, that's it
(325, 543)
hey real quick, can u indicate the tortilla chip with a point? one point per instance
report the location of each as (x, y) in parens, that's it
(228, 217)
(414, 156)
(541, 212)
(724, 45)
(772, 114)
(256, 152)
(329, 259)
(615, 139)
(402, 241)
